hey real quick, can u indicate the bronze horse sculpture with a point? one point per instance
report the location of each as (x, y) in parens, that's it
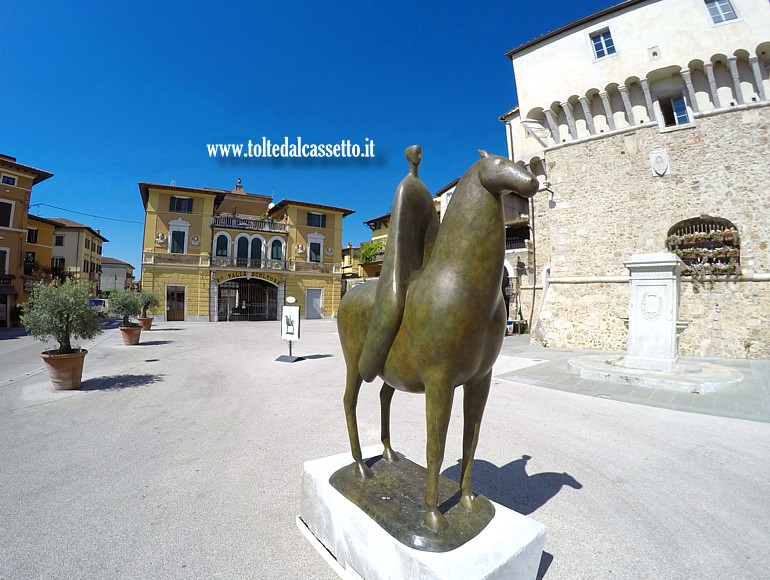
(444, 314)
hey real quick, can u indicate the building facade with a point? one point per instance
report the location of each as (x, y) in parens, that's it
(16, 182)
(649, 138)
(218, 255)
(77, 253)
(115, 275)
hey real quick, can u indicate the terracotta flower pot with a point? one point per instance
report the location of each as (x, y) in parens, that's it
(64, 370)
(146, 323)
(131, 334)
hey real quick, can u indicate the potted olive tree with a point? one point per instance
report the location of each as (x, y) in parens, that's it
(149, 300)
(60, 311)
(127, 305)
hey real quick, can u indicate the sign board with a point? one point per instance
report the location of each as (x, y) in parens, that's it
(290, 323)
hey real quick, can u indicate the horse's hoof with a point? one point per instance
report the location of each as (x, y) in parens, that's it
(469, 503)
(362, 471)
(389, 455)
(435, 520)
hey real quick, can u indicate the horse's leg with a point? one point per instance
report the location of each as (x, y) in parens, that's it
(350, 400)
(438, 408)
(474, 400)
(386, 396)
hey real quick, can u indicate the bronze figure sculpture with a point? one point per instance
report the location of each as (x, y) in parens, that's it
(436, 318)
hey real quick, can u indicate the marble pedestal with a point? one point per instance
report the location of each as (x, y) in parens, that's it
(509, 547)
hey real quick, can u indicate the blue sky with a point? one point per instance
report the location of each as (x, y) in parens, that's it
(106, 95)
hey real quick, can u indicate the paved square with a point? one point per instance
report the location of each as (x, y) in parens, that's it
(181, 458)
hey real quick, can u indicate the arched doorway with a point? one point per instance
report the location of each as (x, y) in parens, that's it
(247, 299)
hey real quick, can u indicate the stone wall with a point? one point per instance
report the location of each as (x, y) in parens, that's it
(608, 204)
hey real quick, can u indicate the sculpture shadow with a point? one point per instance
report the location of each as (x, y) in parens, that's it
(153, 342)
(545, 562)
(119, 382)
(314, 356)
(512, 487)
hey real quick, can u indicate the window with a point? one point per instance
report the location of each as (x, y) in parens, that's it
(93, 267)
(32, 236)
(276, 250)
(222, 245)
(242, 251)
(85, 266)
(180, 204)
(316, 220)
(707, 245)
(315, 245)
(6, 213)
(3, 261)
(99, 250)
(8, 180)
(58, 240)
(720, 10)
(315, 252)
(674, 111)
(57, 264)
(177, 245)
(602, 42)
(178, 234)
(88, 244)
(256, 249)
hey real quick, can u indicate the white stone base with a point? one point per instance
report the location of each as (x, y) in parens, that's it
(509, 547)
(689, 377)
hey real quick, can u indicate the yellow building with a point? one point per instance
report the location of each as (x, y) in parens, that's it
(16, 182)
(218, 255)
(77, 252)
(38, 251)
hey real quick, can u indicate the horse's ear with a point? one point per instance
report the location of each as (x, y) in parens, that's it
(483, 153)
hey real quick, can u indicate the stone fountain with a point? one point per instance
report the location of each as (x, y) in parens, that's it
(652, 356)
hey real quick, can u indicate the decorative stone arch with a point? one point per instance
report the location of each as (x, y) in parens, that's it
(637, 99)
(559, 127)
(723, 83)
(595, 105)
(257, 248)
(536, 126)
(700, 84)
(241, 246)
(218, 245)
(273, 246)
(760, 65)
(707, 245)
(248, 299)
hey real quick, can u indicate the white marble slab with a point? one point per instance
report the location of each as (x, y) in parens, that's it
(509, 547)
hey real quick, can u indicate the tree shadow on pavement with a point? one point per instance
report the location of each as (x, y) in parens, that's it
(511, 486)
(119, 382)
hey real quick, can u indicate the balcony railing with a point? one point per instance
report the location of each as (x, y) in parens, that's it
(165, 259)
(316, 267)
(515, 244)
(245, 263)
(238, 223)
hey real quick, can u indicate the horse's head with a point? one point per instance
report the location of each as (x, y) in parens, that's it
(500, 175)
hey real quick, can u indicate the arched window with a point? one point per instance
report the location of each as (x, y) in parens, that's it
(709, 246)
(276, 250)
(222, 245)
(256, 250)
(242, 251)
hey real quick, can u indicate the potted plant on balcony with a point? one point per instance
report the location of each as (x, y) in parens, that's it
(127, 305)
(60, 311)
(149, 300)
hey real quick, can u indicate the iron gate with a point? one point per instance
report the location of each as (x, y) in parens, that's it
(251, 300)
